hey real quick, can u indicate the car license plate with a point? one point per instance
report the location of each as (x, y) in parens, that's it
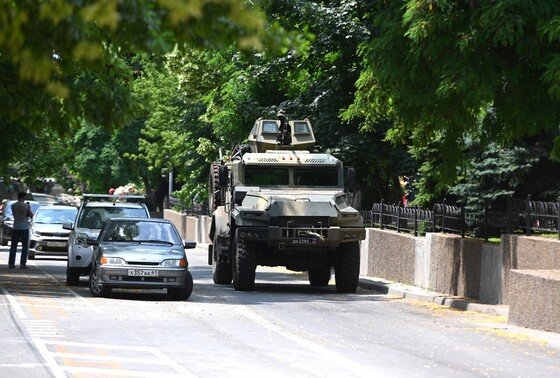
(306, 241)
(56, 244)
(143, 272)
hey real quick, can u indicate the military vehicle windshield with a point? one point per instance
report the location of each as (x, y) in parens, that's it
(266, 176)
(316, 177)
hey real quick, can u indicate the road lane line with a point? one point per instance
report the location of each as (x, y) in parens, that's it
(170, 362)
(83, 356)
(333, 357)
(78, 296)
(167, 361)
(13, 302)
(51, 363)
(116, 373)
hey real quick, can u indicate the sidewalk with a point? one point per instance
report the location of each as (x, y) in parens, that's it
(418, 294)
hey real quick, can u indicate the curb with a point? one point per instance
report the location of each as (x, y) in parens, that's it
(417, 294)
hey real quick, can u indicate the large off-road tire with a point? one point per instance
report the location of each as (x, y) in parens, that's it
(183, 293)
(347, 267)
(72, 276)
(244, 266)
(221, 270)
(215, 193)
(320, 276)
(96, 288)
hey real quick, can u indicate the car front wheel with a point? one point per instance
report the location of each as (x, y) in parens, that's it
(182, 293)
(96, 287)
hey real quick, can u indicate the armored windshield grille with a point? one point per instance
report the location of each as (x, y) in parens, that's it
(316, 160)
(267, 160)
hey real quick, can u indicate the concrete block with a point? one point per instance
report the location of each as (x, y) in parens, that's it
(392, 256)
(528, 253)
(364, 253)
(178, 219)
(492, 274)
(444, 263)
(191, 227)
(204, 223)
(422, 256)
(534, 297)
(470, 255)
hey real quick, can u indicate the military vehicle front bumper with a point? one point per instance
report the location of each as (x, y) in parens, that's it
(282, 237)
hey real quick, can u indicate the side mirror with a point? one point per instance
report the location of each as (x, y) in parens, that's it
(68, 226)
(90, 242)
(351, 179)
(189, 244)
(223, 176)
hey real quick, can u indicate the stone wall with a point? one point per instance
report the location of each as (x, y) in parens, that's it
(537, 299)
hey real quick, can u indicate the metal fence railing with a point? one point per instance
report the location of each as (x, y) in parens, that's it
(520, 216)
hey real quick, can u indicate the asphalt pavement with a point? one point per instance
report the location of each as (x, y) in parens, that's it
(283, 328)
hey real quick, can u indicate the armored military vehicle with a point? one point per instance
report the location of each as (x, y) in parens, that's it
(274, 203)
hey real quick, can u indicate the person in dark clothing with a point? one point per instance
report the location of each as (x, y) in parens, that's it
(284, 136)
(22, 213)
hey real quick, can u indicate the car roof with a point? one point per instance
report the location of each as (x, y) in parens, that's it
(57, 207)
(113, 204)
(26, 201)
(151, 220)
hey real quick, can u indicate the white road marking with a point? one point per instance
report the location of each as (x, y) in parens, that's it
(78, 296)
(165, 360)
(49, 359)
(41, 292)
(328, 355)
(116, 373)
(19, 311)
(41, 328)
(94, 357)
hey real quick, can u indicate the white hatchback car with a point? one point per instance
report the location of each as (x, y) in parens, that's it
(47, 237)
(94, 211)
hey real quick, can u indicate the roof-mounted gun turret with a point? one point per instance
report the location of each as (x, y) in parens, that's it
(281, 134)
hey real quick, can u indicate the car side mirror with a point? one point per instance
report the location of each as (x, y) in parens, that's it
(351, 179)
(91, 242)
(68, 226)
(223, 175)
(189, 244)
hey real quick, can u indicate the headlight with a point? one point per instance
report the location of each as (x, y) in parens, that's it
(36, 233)
(9, 224)
(177, 263)
(112, 261)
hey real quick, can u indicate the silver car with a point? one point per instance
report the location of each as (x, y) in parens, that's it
(140, 253)
(47, 236)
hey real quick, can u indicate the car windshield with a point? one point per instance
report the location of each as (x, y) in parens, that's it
(266, 176)
(141, 231)
(95, 217)
(8, 208)
(55, 216)
(316, 177)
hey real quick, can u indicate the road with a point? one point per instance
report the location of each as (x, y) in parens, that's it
(283, 328)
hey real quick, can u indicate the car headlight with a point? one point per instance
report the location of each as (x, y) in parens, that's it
(9, 223)
(36, 233)
(112, 261)
(176, 263)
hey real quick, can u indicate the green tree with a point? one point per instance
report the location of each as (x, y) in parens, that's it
(64, 61)
(456, 70)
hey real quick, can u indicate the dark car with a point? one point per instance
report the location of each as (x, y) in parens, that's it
(140, 253)
(7, 220)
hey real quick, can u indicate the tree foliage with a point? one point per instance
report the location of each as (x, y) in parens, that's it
(447, 70)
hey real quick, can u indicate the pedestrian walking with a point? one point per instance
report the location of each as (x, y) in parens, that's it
(22, 213)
